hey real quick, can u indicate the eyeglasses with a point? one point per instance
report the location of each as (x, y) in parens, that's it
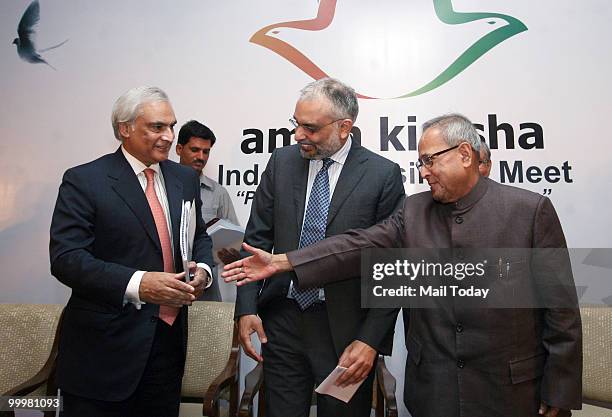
(428, 160)
(310, 129)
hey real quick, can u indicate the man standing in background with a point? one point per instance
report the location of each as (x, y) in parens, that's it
(115, 243)
(193, 147)
(484, 164)
(322, 186)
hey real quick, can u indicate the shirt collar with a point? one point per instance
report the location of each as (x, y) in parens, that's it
(340, 155)
(206, 182)
(136, 164)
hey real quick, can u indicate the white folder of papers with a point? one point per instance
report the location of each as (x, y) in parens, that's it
(225, 234)
(187, 234)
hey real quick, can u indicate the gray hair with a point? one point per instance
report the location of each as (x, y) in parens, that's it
(342, 97)
(455, 128)
(129, 104)
(487, 151)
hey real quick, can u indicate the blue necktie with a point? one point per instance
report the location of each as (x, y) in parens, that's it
(315, 223)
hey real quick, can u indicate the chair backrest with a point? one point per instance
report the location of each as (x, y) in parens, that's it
(28, 333)
(597, 347)
(211, 327)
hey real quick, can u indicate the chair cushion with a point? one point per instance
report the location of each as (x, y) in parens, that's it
(28, 332)
(592, 411)
(211, 326)
(597, 347)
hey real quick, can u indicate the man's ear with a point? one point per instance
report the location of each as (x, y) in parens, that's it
(178, 149)
(467, 155)
(124, 130)
(345, 128)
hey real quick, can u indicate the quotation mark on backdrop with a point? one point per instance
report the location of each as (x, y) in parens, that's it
(247, 195)
(547, 191)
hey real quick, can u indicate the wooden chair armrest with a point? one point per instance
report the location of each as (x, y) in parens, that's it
(252, 384)
(228, 376)
(386, 387)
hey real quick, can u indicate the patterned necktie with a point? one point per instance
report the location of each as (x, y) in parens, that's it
(315, 223)
(166, 313)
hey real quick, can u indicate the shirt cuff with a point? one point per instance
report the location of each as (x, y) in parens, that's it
(207, 269)
(132, 290)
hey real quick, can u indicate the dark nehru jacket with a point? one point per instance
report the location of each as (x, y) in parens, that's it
(473, 362)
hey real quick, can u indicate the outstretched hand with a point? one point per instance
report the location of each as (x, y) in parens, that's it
(260, 265)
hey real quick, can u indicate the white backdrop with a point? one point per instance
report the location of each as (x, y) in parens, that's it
(548, 83)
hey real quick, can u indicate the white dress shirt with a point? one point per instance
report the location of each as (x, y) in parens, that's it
(216, 201)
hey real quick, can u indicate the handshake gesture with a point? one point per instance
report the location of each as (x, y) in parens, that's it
(260, 265)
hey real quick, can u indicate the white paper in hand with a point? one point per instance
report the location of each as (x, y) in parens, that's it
(329, 386)
(186, 231)
(191, 231)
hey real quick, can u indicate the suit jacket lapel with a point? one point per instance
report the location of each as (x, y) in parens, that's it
(300, 183)
(351, 174)
(127, 186)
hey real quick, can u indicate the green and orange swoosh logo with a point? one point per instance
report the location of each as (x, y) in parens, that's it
(445, 12)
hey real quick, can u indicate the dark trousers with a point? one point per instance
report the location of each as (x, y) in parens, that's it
(159, 390)
(299, 355)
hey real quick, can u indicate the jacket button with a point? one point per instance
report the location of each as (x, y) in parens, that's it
(460, 363)
(458, 219)
(459, 327)
(153, 319)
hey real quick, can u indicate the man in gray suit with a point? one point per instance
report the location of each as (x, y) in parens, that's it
(465, 361)
(322, 186)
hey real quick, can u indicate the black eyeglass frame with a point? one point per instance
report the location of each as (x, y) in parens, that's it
(311, 129)
(428, 160)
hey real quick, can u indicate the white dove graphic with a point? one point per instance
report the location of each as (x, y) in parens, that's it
(25, 42)
(390, 48)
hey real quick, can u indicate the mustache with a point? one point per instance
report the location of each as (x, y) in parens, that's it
(307, 142)
(198, 161)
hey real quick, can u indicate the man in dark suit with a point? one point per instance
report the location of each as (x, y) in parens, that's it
(324, 185)
(506, 362)
(115, 243)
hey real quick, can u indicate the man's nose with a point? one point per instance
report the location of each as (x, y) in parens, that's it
(424, 171)
(300, 134)
(168, 134)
